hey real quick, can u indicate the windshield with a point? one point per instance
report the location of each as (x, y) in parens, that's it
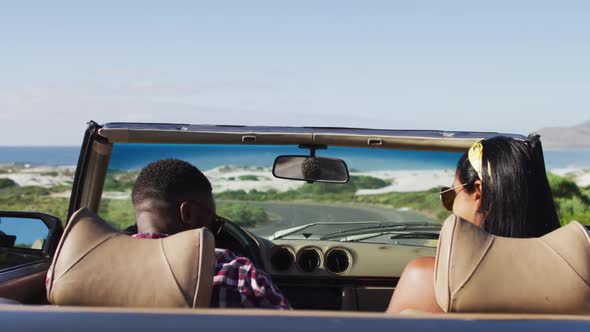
(391, 195)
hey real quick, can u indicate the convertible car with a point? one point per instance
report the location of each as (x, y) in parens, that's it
(332, 214)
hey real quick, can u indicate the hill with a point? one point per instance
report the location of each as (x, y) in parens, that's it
(576, 137)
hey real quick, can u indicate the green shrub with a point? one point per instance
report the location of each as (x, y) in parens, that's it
(571, 201)
(119, 213)
(368, 182)
(355, 183)
(243, 214)
(34, 200)
(427, 202)
(120, 181)
(318, 188)
(7, 183)
(572, 209)
(563, 187)
(248, 177)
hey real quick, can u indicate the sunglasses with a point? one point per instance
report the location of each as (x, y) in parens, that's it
(448, 195)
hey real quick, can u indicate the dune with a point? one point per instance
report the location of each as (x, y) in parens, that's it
(38, 176)
(226, 178)
(580, 176)
(408, 181)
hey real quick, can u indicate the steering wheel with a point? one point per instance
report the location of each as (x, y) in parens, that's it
(231, 236)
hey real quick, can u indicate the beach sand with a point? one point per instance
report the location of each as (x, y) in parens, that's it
(580, 176)
(408, 181)
(247, 178)
(229, 178)
(38, 176)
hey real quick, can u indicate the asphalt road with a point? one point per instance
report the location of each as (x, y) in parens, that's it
(287, 215)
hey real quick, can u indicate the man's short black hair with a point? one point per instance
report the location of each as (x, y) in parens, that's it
(169, 180)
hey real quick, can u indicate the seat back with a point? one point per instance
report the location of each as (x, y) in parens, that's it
(479, 272)
(95, 265)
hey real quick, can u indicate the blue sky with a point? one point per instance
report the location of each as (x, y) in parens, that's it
(510, 66)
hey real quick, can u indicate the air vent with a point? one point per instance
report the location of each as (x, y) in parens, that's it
(337, 260)
(282, 259)
(309, 259)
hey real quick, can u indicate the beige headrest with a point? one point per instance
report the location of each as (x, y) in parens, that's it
(95, 265)
(479, 272)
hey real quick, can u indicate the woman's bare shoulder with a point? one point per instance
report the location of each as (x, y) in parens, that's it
(420, 264)
(415, 289)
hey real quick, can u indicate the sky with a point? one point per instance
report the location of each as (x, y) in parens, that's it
(508, 66)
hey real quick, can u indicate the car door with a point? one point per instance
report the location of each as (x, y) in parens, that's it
(28, 241)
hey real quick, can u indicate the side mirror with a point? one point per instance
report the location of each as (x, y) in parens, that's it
(23, 232)
(311, 169)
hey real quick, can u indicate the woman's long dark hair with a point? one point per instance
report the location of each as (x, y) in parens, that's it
(516, 198)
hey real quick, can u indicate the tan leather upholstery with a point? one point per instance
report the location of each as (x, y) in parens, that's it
(479, 272)
(97, 266)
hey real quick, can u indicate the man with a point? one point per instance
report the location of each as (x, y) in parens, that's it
(172, 196)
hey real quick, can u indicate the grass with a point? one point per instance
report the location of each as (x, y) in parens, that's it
(572, 201)
(243, 214)
(120, 180)
(33, 198)
(426, 202)
(119, 213)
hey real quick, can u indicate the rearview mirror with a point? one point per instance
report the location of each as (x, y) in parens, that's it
(311, 169)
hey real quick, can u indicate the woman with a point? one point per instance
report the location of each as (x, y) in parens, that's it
(501, 186)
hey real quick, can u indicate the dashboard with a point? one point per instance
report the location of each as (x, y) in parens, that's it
(333, 275)
(328, 275)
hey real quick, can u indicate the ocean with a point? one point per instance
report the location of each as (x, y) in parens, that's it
(135, 156)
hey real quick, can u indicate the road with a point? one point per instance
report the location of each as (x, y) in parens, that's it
(287, 215)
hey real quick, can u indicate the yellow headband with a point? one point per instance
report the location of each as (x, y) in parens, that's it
(475, 157)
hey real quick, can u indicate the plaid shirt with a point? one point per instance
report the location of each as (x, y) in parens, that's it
(237, 283)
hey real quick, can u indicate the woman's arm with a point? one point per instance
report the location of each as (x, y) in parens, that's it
(415, 289)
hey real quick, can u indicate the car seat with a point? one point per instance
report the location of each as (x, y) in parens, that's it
(479, 272)
(95, 265)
